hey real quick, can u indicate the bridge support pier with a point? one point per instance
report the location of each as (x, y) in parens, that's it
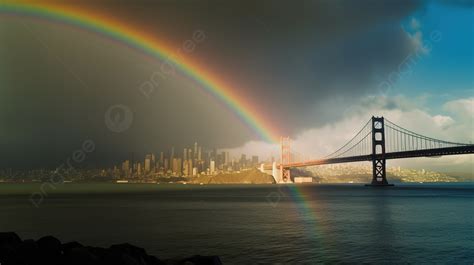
(379, 173)
(285, 174)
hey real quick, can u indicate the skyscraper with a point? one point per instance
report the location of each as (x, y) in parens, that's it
(126, 167)
(213, 166)
(226, 158)
(174, 168)
(195, 150)
(185, 167)
(172, 154)
(219, 160)
(166, 165)
(152, 163)
(190, 167)
(179, 170)
(243, 161)
(254, 160)
(139, 169)
(147, 164)
(162, 158)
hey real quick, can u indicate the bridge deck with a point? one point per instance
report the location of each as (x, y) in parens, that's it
(458, 150)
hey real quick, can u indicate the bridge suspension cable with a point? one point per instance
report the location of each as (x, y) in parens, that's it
(360, 144)
(378, 140)
(399, 139)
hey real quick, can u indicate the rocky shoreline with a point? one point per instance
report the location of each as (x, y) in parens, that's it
(49, 250)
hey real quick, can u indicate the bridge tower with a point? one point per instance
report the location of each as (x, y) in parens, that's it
(285, 159)
(379, 176)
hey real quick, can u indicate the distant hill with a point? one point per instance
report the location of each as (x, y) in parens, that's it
(252, 176)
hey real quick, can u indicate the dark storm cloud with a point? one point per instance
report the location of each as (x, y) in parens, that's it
(302, 62)
(59, 85)
(293, 57)
(298, 58)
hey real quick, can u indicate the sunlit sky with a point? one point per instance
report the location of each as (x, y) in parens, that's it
(446, 71)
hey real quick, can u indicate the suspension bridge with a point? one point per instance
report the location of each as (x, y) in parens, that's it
(378, 141)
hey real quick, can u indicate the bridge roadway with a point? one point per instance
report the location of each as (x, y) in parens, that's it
(457, 150)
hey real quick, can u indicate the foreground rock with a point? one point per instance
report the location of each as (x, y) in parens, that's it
(49, 250)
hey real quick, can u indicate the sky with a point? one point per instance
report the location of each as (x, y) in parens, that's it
(315, 70)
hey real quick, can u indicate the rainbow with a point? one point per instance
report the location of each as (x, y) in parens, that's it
(316, 235)
(144, 42)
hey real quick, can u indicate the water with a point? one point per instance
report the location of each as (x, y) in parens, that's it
(264, 224)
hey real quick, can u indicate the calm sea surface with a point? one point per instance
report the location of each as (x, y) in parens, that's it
(265, 224)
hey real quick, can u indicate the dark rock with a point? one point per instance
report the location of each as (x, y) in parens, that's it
(49, 250)
(9, 239)
(27, 252)
(80, 256)
(202, 260)
(99, 252)
(133, 251)
(152, 260)
(129, 254)
(117, 258)
(50, 244)
(113, 256)
(66, 247)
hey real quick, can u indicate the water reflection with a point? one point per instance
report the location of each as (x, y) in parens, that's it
(383, 240)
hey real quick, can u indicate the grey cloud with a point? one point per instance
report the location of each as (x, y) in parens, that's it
(302, 62)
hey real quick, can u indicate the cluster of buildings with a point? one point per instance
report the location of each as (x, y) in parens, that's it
(345, 173)
(189, 162)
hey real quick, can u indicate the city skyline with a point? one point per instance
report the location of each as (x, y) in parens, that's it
(192, 161)
(195, 161)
